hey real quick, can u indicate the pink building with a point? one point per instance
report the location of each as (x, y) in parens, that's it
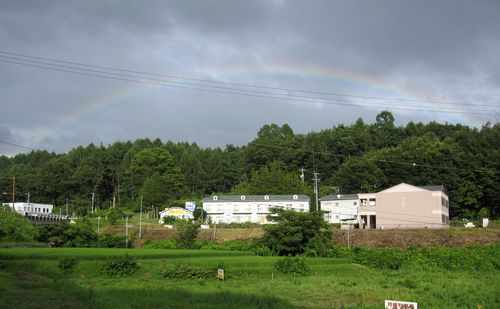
(404, 206)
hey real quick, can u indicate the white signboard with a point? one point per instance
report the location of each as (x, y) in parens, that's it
(400, 304)
(190, 206)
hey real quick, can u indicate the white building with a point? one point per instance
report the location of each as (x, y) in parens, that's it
(340, 208)
(177, 212)
(32, 208)
(250, 208)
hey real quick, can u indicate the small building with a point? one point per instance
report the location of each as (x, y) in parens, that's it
(405, 206)
(177, 212)
(340, 208)
(250, 208)
(32, 208)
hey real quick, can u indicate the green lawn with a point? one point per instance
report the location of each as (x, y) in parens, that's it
(30, 278)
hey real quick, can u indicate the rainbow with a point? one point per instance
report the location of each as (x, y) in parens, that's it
(337, 76)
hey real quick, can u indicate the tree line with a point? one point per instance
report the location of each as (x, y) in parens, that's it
(362, 157)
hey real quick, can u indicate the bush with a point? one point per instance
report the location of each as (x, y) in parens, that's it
(471, 258)
(16, 228)
(230, 245)
(186, 234)
(118, 266)
(293, 265)
(188, 272)
(170, 220)
(67, 264)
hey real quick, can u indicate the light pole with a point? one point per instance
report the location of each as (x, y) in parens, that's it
(140, 221)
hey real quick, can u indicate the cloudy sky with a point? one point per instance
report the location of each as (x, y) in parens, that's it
(214, 72)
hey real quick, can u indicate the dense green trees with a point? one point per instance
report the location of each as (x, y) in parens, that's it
(16, 228)
(296, 233)
(361, 157)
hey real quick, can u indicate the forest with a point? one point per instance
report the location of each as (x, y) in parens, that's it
(361, 157)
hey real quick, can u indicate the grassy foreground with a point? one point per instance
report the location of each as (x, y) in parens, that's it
(30, 278)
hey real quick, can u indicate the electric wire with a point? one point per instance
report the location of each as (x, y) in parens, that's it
(233, 91)
(237, 84)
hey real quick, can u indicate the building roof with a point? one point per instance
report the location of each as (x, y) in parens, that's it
(257, 198)
(433, 188)
(339, 197)
(176, 208)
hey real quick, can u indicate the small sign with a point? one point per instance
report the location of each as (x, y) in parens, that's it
(400, 304)
(190, 206)
(220, 274)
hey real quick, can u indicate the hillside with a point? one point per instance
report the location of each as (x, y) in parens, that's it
(452, 237)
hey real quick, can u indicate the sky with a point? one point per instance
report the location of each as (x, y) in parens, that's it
(214, 72)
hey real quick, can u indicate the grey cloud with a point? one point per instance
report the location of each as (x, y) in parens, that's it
(445, 50)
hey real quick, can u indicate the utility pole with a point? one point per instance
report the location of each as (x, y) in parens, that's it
(316, 180)
(13, 191)
(140, 221)
(126, 231)
(93, 194)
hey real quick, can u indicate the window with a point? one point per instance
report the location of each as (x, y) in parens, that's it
(243, 197)
(336, 203)
(266, 197)
(215, 197)
(355, 203)
(295, 197)
(373, 202)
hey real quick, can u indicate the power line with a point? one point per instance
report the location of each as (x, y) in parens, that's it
(235, 83)
(233, 91)
(16, 145)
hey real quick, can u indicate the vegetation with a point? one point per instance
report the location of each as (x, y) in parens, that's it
(14, 227)
(32, 275)
(186, 233)
(296, 233)
(117, 266)
(350, 158)
(293, 265)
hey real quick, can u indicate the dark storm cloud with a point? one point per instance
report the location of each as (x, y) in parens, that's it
(445, 50)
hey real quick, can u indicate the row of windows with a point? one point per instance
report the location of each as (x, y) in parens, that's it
(36, 209)
(445, 219)
(243, 197)
(445, 202)
(368, 202)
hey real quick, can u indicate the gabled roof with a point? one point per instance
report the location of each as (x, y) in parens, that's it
(339, 197)
(257, 198)
(404, 187)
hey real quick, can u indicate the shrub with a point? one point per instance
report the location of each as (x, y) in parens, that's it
(293, 265)
(186, 234)
(117, 266)
(67, 264)
(188, 272)
(14, 227)
(230, 245)
(170, 219)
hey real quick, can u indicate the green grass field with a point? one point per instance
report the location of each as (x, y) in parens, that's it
(30, 278)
